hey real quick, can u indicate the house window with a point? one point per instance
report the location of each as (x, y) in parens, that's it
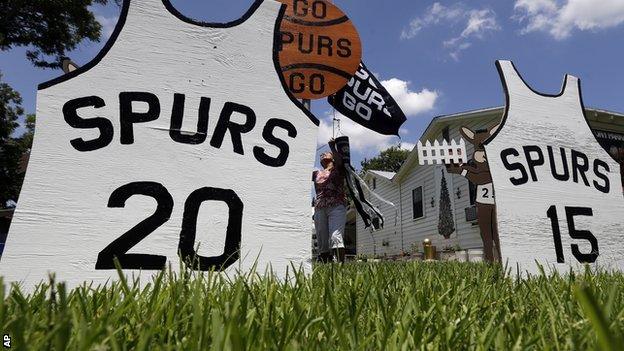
(418, 208)
(374, 183)
(446, 134)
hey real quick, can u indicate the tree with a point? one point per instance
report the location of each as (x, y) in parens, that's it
(49, 28)
(27, 139)
(10, 110)
(389, 160)
(446, 224)
(11, 149)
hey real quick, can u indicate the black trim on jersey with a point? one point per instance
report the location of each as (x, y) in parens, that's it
(563, 89)
(234, 23)
(319, 67)
(501, 73)
(120, 24)
(122, 21)
(278, 70)
(590, 128)
(109, 44)
(297, 20)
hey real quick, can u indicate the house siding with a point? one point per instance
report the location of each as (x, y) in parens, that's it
(370, 243)
(409, 233)
(416, 230)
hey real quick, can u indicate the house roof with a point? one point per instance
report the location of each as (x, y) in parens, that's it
(387, 175)
(438, 121)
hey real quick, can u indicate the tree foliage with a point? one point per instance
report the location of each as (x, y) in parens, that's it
(389, 160)
(446, 223)
(49, 28)
(27, 138)
(11, 149)
(10, 110)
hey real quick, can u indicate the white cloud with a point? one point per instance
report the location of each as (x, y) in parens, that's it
(560, 18)
(475, 23)
(435, 14)
(407, 146)
(368, 142)
(457, 49)
(108, 25)
(479, 22)
(412, 103)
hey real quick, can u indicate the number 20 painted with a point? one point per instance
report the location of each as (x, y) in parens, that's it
(119, 247)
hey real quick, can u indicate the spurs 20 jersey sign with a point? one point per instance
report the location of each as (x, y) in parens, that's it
(179, 142)
(558, 192)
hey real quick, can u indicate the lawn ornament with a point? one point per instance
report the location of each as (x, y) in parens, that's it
(319, 49)
(558, 192)
(477, 171)
(371, 216)
(179, 143)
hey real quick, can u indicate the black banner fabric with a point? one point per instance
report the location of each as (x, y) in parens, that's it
(365, 101)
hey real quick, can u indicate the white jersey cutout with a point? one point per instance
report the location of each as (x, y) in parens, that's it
(75, 206)
(559, 221)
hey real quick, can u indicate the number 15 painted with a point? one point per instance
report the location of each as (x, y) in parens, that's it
(572, 212)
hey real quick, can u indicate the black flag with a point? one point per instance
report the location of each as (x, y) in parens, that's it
(367, 102)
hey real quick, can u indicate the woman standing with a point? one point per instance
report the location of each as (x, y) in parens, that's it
(330, 206)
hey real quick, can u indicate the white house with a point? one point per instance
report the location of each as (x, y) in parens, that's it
(415, 189)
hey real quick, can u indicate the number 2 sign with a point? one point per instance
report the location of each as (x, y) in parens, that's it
(558, 192)
(179, 143)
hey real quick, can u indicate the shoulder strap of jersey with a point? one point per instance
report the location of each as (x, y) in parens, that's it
(170, 9)
(511, 79)
(514, 84)
(156, 10)
(141, 8)
(571, 88)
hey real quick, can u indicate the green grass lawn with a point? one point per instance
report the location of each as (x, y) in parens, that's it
(382, 306)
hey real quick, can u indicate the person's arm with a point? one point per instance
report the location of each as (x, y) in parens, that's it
(338, 161)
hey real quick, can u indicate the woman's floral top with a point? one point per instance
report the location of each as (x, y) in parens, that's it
(329, 185)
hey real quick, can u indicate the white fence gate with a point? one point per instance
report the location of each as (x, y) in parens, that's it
(442, 153)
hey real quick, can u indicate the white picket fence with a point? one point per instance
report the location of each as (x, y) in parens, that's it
(442, 153)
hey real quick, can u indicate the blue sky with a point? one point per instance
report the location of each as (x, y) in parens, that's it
(435, 57)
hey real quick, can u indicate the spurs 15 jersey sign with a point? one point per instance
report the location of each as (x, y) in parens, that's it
(179, 142)
(558, 192)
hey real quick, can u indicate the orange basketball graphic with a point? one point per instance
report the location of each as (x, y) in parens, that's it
(320, 49)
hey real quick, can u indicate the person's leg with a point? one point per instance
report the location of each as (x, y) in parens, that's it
(485, 225)
(337, 218)
(340, 255)
(322, 234)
